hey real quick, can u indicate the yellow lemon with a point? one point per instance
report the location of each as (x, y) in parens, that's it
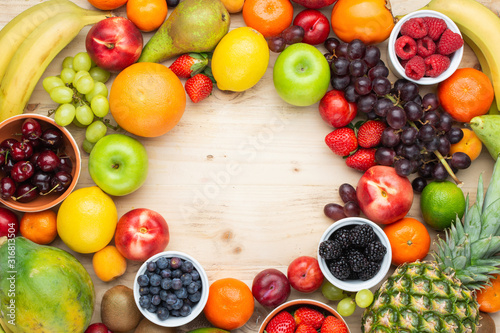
(86, 220)
(240, 59)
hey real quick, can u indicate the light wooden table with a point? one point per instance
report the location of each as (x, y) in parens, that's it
(268, 212)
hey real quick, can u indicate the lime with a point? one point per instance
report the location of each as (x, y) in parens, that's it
(440, 203)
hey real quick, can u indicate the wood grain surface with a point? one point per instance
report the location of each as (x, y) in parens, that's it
(242, 179)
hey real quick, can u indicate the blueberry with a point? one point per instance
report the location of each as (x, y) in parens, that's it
(192, 288)
(178, 304)
(162, 263)
(143, 291)
(176, 273)
(156, 300)
(151, 266)
(176, 284)
(195, 297)
(166, 283)
(187, 266)
(154, 290)
(165, 273)
(157, 271)
(185, 310)
(145, 301)
(155, 280)
(186, 279)
(181, 293)
(187, 301)
(143, 280)
(175, 313)
(169, 307)
(199, 284)
(152, 308)
(175, 262)
(148, 273)
(162, 313)
(163, 295)
(171, 299)
(195, 275)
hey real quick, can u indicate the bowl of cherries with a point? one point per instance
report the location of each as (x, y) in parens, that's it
(39, 163)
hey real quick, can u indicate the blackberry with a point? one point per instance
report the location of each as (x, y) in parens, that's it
(329, 249)
(370, 270)
(343, 237)
(361, 235)
(357, 260)
(375, 251)
(340, 268)
(353, 276)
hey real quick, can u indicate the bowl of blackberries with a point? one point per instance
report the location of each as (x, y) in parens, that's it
(171, 288)
(39, 163)
(354, 253)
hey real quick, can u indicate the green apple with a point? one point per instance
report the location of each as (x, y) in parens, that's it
(118, 164)
(301, 74)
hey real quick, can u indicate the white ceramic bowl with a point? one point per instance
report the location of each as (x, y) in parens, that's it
(394, 63)
(356, 285)
(196, 310)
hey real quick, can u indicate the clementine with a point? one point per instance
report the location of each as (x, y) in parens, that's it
(147, 99)
(409, 240)
(467, 93)
(489, 297)
(39, 227)
(147, 15)
(107, 4)
(269, 17)
(470, 144)
(230, 304)
(108, 263)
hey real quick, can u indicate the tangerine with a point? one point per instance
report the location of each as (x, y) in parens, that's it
(230, 304)
(467, 93)
(147, 99)
(409, 240)
(489, 297)
(147, 15)
(107, 4)
(269, 17)
(39, 227)
(470, 144)
(108, 263)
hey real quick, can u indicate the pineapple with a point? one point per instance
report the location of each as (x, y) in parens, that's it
(438, 296)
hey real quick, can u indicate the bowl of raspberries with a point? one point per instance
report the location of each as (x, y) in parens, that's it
(354, 253)
(425, 47)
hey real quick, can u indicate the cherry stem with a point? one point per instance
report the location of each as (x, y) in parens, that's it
(15, 199)
(51, 190)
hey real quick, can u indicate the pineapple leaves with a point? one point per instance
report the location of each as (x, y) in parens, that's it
(493, 192)
(491, 218)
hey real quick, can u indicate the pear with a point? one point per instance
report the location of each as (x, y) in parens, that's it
(487, 129)
(193, 26)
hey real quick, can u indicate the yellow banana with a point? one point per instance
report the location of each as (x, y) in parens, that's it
(16, 31)
(35, 54)
(481, 27)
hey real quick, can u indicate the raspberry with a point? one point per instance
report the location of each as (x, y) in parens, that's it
(436, 27)
(414, 28)
(415, 68)
(449, 42)
(426, 47)
(436, 64)
(405, 47)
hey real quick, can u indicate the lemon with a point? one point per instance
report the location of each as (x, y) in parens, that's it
(440, 203)
(240, 59)
(86, 220)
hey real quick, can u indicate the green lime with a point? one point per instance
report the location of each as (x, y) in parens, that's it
(440, 203)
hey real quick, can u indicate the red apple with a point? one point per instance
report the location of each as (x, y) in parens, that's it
(271, 287)
(335, 110)
(384, 196)
(315, 24)
(304, 274)
(97, 328)
(114, 43)
(315, 4)
(9, 224)
(141, 233)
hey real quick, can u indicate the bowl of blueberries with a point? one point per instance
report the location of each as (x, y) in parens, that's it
(171, 288)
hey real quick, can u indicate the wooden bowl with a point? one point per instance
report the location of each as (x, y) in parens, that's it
(11, 128)
(291, 306)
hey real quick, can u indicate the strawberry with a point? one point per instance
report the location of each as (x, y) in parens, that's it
(189, 64)
(199, 87)
(283, 322)
(303, 328)
(342, 141)
(362, 159)
(311, 317)
(370, 133)
(333, 325)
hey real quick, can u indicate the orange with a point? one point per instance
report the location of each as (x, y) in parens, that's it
(39, 227)
(147, 15)
(470, 144)
(489, 297)
(107, 4)
(108, 263)
(409, 240)
(467, 93)
(233, 6)
(230, 304)
(269, 17)
(147, 99)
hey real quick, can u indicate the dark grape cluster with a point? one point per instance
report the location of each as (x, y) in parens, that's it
(34, 165)
(350, 209)
(291, 35)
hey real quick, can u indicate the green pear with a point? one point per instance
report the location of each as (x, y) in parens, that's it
(193, 26)
(487, 129)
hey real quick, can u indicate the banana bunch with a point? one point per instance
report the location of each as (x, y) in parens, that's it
(30, 42)
(480, 29)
